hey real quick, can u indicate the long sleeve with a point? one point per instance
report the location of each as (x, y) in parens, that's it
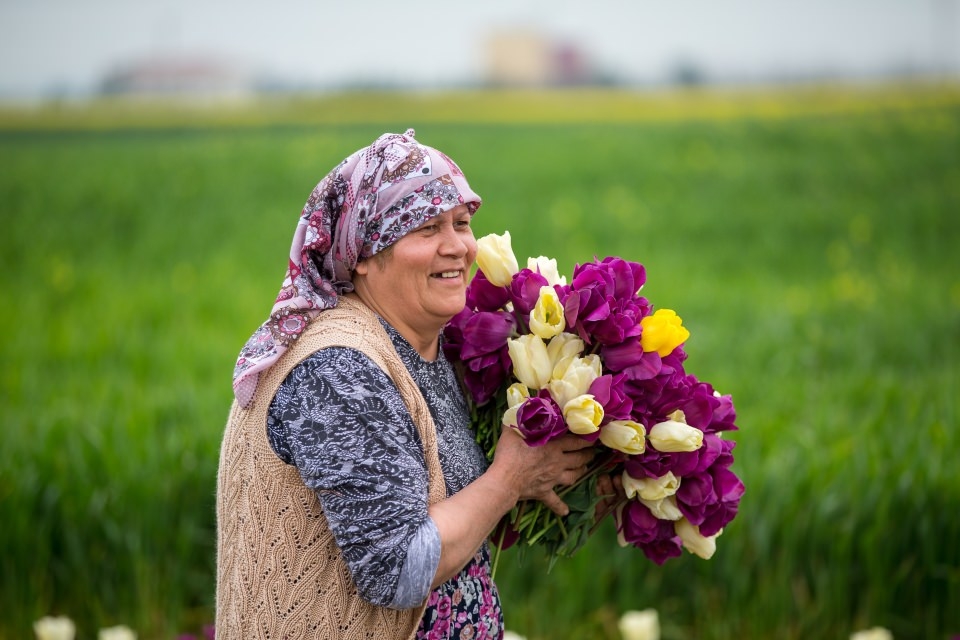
(340, 420)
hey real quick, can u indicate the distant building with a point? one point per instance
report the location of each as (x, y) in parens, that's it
(530, 59)
(178, 76)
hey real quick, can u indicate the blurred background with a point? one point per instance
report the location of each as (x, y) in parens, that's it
(788, 172)
(69, 50)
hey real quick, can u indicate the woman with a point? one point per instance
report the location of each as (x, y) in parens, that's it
(352, 501)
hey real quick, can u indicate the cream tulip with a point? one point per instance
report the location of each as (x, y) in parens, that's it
(547, 319)
(665, 509)
(876, 633)
(694, 542)
(675, 435)
(516, 394)
(639, 625)
(117, 633)
(564, 347)
(624, 435)
(583, 414)
(547, 267)
(650, 488)
(55, 628)
(573, 376)
(496, 259)
(531, 363)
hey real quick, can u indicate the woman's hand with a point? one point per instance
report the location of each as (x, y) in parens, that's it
(610, 487)
(534, 472)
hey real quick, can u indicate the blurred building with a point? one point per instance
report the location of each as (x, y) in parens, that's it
(530, 59)
(194, 76)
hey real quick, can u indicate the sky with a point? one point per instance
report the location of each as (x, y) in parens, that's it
(69, 45)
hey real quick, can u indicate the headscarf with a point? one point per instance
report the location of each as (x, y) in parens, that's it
(369, 201)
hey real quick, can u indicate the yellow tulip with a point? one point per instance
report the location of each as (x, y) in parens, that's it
(662, 332)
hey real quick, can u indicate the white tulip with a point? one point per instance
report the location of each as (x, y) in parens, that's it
(640, 625)
(54, 628)
(651, 488)
(876, 633)
(496, 259)
(547, 267)
(703, 546)
(119, 632)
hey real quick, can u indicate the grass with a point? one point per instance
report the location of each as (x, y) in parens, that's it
(809, 246)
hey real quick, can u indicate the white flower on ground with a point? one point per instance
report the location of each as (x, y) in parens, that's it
(54, 628)
(640, 625)
(876, 633)
(119, 632)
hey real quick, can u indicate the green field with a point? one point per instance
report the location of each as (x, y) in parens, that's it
(808, 239)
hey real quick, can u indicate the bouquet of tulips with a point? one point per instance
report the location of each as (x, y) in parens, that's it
(592, 357)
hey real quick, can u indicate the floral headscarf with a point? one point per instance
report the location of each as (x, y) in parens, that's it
(368, 202)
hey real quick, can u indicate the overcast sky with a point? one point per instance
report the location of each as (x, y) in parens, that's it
(71, 44)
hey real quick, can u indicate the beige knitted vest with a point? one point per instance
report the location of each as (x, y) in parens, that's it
(279, 571)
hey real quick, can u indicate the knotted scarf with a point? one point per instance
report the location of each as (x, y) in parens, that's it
(369, 201)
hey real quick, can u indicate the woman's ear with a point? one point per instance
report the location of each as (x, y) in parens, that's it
(362, 268)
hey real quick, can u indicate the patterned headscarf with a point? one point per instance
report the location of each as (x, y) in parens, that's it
(368, 202)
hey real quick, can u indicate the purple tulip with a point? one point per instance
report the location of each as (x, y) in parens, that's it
(540, 419)
(483, 295)
(609, 391)
(524, 290)
(662, 549)
(486, 332)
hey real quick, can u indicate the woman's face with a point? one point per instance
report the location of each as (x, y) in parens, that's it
(423, 281)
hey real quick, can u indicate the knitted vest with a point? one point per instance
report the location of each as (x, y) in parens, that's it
(280, 573)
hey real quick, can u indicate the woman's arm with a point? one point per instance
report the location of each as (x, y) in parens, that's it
(518, 472)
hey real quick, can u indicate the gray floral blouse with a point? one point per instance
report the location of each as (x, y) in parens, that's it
(342, 422)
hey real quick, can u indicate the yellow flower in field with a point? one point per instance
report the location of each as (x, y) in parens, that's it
(116, 633)
(624, 435)
(662, 332)
(693, 542)
(531, 363)
(547, 319)
(675, 435)
(583, 414)
(55, 628)
(496, 259)
(639, 625)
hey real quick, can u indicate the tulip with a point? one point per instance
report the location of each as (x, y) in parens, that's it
(650, 488)
(624, 435)
(496, 259)
(583, 414)
(546, 319)
(876, 633)
(531, 363)
(564, 347)
(516, 394)
(703, 546)
(665, 509)
(662, 332)
(572, 377)
(116, 633)
(674, 435)
(540, 420)
(547, 267)
(639, 625)
(512, 635)
(54, 628)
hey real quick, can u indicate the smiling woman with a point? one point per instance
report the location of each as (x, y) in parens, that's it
(352, 498)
